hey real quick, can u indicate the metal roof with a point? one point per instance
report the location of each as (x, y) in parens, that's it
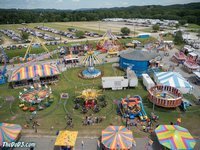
(140, 55)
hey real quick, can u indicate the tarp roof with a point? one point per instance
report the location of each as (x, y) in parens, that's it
(32, 71)
(173, 79)
(140, 55)
(9, 132)
(66, 138)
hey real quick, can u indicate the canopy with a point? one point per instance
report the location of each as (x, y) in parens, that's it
(117, 137)
(30, 72)
(173, 79)
(175, 137)
(66, 138)
(9, 132)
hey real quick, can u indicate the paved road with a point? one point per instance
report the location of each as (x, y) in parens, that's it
(47, 143)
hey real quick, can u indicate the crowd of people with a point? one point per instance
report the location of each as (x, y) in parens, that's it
(91, 120)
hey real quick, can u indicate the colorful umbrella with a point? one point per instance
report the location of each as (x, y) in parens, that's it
(175, 137)
(9, 132)
(117, 137)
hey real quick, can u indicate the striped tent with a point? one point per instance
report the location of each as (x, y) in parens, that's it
(175, 137)
(9, 132)
(117, 137)
(32, 71)
(173, 79)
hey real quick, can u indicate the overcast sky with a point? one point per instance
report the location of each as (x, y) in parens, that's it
(76, 4)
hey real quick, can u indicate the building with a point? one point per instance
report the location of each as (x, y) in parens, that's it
(137, 60)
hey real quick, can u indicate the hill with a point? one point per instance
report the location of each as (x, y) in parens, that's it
(189, 12)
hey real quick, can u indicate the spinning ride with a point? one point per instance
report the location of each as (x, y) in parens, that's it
(165, 96)
(90, 60)
(109, 43)
(90, 97)
(40, 96)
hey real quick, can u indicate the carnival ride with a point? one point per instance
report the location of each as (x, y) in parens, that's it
(165, 96)
(4, 59)
(132, 107)
(109, 43)
(90, 60)
(179, 57)
(30, 57)
(191, 63)
(89, 100)
(36, 97)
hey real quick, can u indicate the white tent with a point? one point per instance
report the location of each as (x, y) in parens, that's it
(173, 79)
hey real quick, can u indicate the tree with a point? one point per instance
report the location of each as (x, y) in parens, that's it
(79, 34)
(156, 27)
(66, 19)
(24, 35)
(177, 25)
(178, 39)
(83, 19)
(125, 31)
(182, 22)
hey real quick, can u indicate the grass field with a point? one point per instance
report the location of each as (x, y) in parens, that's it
(70, 83)
(193, 26)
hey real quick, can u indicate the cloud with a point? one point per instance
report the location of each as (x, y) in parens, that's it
(75, 0)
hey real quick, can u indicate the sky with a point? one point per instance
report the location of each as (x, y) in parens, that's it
(77, 4)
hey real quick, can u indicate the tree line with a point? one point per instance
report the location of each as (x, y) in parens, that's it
(187, 13)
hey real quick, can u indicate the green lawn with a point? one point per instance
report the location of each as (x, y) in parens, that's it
(168, 37)
(193, 26)
(70, 82)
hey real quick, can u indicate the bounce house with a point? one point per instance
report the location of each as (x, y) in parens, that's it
(132, 107)
(165, 96)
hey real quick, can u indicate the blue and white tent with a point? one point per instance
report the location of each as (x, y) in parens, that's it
(173, 79)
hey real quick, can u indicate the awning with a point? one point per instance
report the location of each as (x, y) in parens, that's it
(9, 132)
(66, 138)
(175, 137)
(173, 79)
(32, 71)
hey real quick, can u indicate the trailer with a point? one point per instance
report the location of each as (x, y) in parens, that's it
(132, 78)
(147, 81)
(115, 83)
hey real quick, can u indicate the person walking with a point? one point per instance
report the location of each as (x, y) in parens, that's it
(82, 144)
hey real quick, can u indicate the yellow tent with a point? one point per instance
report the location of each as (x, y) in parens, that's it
(66, 138)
